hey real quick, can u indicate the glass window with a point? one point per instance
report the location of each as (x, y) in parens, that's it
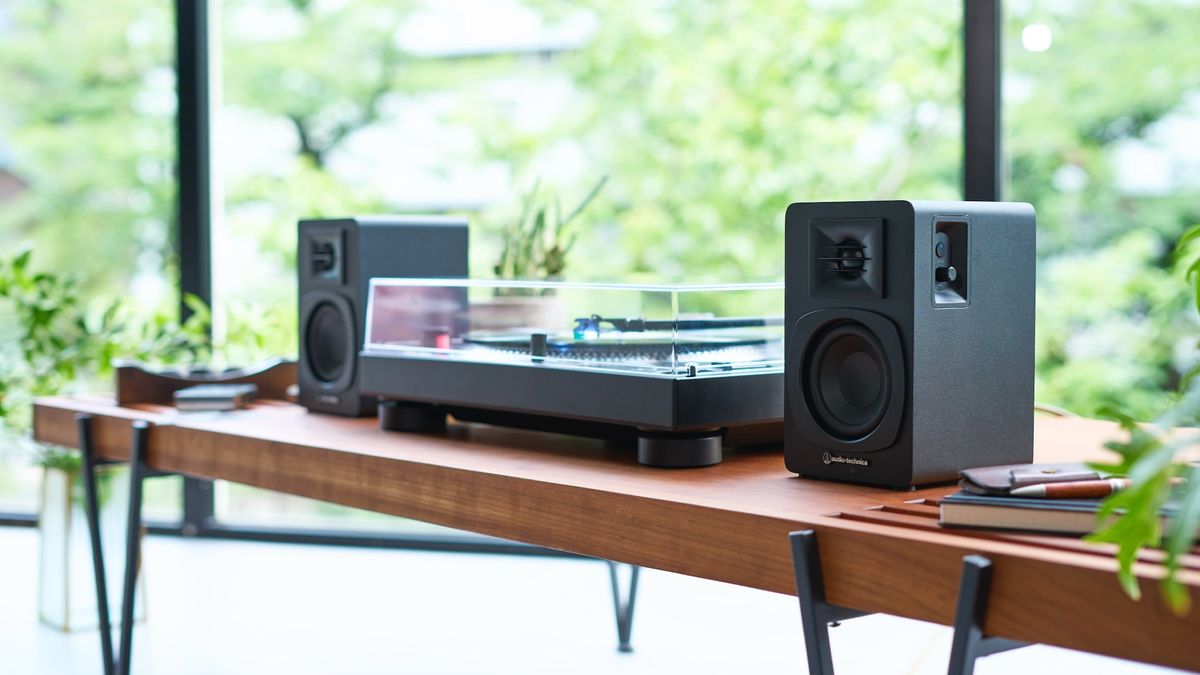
(87, 180)
(707, 117)
(1102, 136)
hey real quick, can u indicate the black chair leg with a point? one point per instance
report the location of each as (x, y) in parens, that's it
(623, 606)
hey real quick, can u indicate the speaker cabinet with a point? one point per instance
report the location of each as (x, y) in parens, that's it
(336, 260)
(910, 344)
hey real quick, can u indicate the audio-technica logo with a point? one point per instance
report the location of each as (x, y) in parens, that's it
(830, 458)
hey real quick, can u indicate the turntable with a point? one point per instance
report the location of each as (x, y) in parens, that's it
(680, 371)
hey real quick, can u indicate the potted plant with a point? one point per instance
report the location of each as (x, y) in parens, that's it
(534, 246)
(536, 243)
(59, 346)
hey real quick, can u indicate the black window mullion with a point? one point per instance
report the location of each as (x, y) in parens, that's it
(982, 174)
(194, 220)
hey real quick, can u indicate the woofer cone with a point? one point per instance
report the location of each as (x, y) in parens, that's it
(328, 342)
(847, 380)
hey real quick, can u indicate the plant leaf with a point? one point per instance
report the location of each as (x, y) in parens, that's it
(1183, 531)
(21, 260)
(586, 200)
(1186, 239)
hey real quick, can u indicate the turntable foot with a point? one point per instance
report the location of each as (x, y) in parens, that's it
(409, 416)
(679, 451)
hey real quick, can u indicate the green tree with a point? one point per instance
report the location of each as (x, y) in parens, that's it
(87, 105)
(711, 117)
(1112, 326)
(327, 71)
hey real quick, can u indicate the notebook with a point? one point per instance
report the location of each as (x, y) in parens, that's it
(1059, 516)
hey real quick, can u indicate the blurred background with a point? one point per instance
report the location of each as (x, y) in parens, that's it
(707, 117)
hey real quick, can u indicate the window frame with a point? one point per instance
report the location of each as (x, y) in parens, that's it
(192, 240)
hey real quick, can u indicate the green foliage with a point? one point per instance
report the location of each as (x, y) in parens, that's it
(1105, 81)
(61, 343)
(1151, 458)
(62, 459)
(536, 243)
(253, 332)
(87, 127)
(1113, 330)
(1133, 518)
(711, 117)
(48, 343)
(87, 124)
(322, 72)
(327, 70)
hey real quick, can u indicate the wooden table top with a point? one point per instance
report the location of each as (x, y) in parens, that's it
(881, 550)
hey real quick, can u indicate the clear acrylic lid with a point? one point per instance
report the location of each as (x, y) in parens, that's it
(665, 330)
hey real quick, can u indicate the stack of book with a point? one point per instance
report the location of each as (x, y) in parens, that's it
(1054, 498)
(214, 397)
(1059, 516)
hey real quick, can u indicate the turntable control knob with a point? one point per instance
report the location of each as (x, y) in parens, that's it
(537, 346)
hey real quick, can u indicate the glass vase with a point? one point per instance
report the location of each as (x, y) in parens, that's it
(66, 580)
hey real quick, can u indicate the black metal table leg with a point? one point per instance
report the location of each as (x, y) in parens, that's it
(969, 641)
(83, 423)
(816, 614)
(137, 472)
(623, 606)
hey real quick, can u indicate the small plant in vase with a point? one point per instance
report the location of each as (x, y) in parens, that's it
(537, 242)
(535, 246)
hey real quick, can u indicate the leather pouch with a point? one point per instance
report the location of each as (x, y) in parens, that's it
(998, 480)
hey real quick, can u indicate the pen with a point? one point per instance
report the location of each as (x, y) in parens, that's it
(1080, 489)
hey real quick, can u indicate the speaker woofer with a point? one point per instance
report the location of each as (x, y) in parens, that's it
(328, 342)
(327, 346)
(847, 381)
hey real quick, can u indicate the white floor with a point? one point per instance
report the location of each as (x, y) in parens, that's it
(233, 607)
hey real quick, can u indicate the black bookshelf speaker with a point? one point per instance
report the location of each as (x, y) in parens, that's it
(910, 339)
(336, 259)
